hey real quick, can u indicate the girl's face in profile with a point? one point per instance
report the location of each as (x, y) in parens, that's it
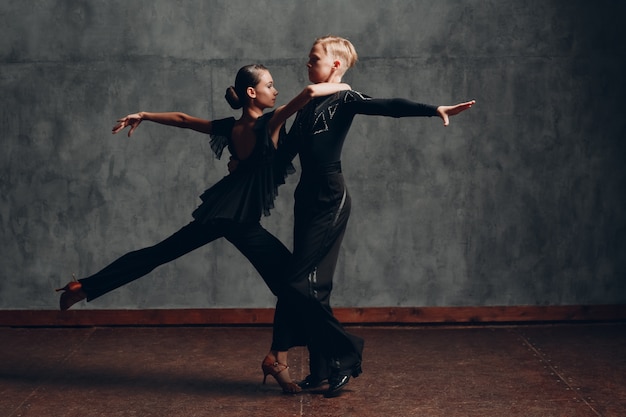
(265, 91)
(321, 66)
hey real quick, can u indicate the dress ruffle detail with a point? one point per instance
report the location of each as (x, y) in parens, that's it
(221, 138)
(218, 143)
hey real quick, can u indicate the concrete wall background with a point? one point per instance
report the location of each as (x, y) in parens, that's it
(519, 202)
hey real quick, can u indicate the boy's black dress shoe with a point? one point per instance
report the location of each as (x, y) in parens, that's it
(310, 382)
(340, 379)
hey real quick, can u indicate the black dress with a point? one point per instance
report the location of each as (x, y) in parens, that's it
(322, 209)
(251, 189)
(232, 209)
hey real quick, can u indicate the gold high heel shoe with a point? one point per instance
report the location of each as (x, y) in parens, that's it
(274, 368)
(72, 293)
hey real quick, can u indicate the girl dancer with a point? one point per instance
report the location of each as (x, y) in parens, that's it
(232, 207)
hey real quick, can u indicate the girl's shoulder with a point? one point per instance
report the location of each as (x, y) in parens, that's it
(223, 127)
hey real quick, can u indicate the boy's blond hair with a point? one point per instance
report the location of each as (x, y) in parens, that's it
(339, 48)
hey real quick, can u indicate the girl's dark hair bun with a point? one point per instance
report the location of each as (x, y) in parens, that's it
(232, 98)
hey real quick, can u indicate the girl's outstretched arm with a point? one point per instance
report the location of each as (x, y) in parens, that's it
(310, 92)
(176, 119)
(446, 111)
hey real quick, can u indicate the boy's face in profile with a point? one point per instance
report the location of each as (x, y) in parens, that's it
(321, 66)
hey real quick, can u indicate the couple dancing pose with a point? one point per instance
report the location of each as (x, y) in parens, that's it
(262, 152)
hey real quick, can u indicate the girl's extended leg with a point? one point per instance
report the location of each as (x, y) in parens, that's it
(136, 264)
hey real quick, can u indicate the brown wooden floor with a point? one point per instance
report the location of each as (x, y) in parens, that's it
(534, 370)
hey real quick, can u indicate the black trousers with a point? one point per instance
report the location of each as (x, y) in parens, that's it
(266, 253)
(322, 211)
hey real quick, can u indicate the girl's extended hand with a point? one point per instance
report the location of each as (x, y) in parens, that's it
(132, 120)
(446, 111)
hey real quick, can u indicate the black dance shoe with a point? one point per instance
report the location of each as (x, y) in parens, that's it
(340, 379)
(310, 382)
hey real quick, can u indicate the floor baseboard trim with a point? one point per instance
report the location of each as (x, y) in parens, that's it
(346, 315)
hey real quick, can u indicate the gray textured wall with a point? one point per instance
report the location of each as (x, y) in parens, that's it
(519, 202)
